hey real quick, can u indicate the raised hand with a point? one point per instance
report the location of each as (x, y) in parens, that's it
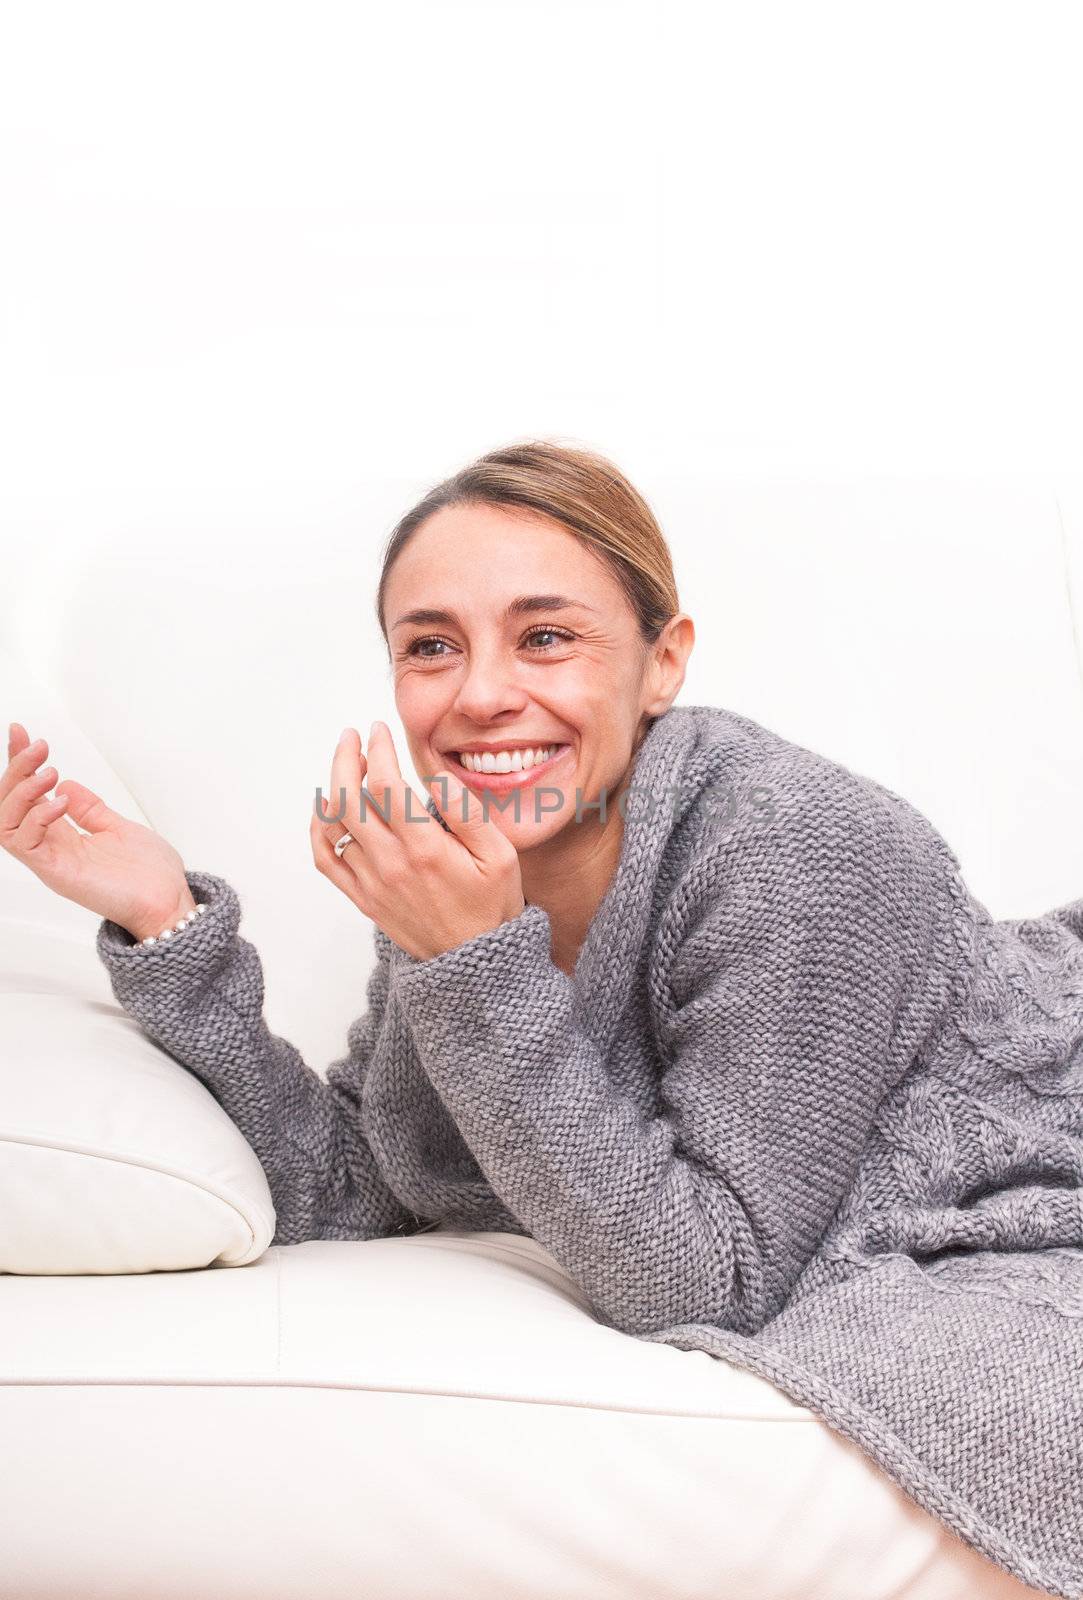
(428, 889)
(116, 868)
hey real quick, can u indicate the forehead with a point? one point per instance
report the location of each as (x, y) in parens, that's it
(475, 555)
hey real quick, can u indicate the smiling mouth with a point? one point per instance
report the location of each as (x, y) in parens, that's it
(507, 770)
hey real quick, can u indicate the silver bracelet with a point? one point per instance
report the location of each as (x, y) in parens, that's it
(179, 927)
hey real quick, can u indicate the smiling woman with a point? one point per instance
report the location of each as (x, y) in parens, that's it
(546, 688)
(710, 1016)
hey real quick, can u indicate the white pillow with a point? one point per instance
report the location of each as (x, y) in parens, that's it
(113, 1157)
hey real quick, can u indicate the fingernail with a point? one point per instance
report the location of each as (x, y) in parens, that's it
(344, 735)
(376, 726)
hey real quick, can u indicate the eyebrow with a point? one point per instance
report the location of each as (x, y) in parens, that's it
(525, 605)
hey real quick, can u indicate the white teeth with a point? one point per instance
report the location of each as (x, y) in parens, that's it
(507, 760)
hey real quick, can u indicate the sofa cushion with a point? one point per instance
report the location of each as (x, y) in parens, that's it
(439, 1415)
(113, 1157)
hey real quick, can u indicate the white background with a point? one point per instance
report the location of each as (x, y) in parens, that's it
(808, 273)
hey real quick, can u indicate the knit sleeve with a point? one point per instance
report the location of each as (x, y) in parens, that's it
(793, 976)
(200, 996)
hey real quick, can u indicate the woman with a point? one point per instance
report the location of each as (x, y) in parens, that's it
(712, 1017)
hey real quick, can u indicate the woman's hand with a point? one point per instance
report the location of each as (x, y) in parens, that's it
(118, 868)
(429, 890)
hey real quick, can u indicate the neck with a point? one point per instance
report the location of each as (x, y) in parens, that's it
(568, 877)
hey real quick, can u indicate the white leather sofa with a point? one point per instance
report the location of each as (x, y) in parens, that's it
(187, 1410)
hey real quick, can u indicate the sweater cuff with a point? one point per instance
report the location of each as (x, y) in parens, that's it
(195, 946)
(497, 963)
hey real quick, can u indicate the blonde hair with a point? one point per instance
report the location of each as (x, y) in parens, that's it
(577, 488)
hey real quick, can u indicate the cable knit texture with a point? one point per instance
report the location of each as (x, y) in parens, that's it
(804, 1105)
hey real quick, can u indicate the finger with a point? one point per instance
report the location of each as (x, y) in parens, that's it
(338, 810)
(22, 762)
(390, 789)
(349, 768)
(330, 805)
(384, 778)
(351, 876)
(18, 800)
(45, 815)
(465, 814)
(18, 739)
(86, 808)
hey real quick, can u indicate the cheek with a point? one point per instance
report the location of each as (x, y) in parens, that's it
(580, 683)
(418, 701)
(588, 691)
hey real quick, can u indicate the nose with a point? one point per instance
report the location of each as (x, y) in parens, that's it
(488, 688)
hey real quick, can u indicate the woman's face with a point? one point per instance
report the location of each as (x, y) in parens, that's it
(569, 672)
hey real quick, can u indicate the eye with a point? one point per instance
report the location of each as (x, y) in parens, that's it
(558, 634)
(414, 648)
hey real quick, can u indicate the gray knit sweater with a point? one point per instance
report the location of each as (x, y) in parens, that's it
(804, 1105)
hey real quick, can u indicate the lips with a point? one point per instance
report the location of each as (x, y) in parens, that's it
(501, 781)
